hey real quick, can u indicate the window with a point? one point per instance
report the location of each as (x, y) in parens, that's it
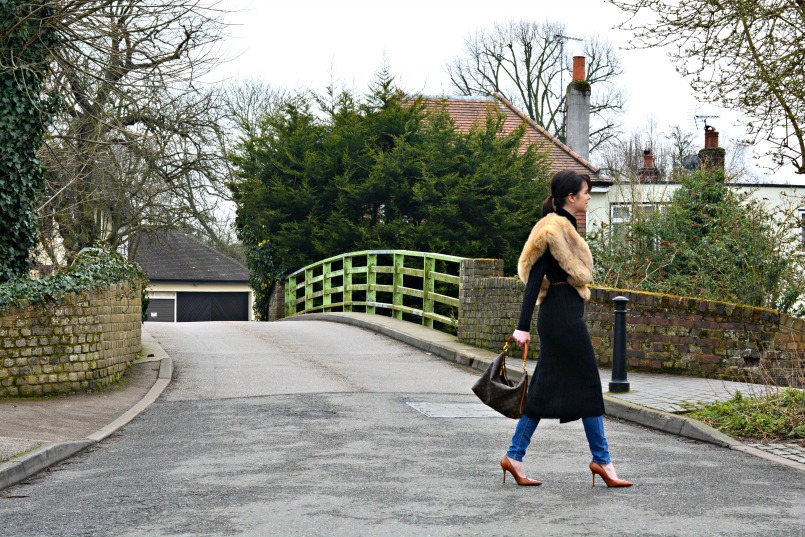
(622, 215)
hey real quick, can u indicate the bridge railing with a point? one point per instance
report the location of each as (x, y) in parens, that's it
(406, 283)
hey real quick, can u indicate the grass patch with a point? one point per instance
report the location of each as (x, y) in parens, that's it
(774, 417)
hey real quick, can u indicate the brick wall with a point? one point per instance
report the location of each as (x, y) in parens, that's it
(83, 343)
(489, 305)
(665, 333)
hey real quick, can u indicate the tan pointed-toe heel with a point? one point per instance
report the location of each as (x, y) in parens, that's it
(522, 480)
(596, 468)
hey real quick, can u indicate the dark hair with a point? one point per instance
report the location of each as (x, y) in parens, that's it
(563, 184)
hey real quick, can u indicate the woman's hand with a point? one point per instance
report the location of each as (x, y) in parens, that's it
(521, 337)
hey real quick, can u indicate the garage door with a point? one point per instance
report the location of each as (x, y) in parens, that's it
(195, 307)
(160, 310)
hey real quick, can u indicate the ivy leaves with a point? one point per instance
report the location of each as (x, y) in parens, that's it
(91, 269)
(24, 45)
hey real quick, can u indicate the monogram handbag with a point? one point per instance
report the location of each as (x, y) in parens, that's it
(496, 390)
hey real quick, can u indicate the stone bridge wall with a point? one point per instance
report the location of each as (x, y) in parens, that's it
(664, 333)
(83, 343)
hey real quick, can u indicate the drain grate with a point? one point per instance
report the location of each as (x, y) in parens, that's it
(454, 410)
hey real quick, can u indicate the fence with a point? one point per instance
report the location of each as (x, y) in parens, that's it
(406, 283)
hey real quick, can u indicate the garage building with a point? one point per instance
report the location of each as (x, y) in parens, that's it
(190, 282)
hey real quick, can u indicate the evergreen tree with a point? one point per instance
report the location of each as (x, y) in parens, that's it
(336, 173)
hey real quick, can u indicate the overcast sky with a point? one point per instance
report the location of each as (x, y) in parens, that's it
(302, 43)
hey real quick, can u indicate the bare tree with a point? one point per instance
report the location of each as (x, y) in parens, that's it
(623, 157)
(525, 62)
(245, 104)
(746, 55)
(135, 144)
(675, 154)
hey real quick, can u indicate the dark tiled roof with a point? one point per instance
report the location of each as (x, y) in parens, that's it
(175, 256)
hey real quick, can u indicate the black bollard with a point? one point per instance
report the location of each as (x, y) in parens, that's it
(619, 383)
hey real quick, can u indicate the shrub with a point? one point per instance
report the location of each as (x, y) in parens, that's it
(91, 269)
(710, 241)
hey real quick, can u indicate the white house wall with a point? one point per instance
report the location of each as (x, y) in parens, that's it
(602, 199)
(780, 197)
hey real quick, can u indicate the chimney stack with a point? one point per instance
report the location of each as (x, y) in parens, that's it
(711, 156)
(649, 172)
(648, 159)
(577, 128)
(710, 137)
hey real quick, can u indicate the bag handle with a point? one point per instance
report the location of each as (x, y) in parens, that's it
(525, 351)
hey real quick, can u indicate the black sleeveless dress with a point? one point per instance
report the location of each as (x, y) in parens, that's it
(565, 384)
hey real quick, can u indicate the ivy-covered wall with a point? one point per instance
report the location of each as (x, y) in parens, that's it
(664, 333)
(24, 114)
(85, 341)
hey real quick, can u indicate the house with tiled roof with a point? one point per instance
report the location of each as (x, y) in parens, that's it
(190, 282)
(615, 204)
(471, 112)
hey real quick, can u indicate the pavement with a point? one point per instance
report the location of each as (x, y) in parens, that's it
(40, 432)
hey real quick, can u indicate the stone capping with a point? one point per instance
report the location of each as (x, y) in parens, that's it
(83, 342)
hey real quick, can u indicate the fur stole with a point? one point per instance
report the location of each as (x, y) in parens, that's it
(568, 248)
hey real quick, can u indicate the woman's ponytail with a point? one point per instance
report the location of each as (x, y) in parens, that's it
(548, 206)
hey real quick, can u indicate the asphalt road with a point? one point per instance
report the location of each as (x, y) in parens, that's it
(304, 428)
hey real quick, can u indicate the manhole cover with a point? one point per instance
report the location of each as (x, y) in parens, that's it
(454, 410)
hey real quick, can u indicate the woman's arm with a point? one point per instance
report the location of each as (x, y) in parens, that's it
(522, 335)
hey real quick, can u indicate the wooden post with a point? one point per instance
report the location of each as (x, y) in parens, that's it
(428, 287)
(397, 297)
(371, 281)
(347, 282)
(290, 296)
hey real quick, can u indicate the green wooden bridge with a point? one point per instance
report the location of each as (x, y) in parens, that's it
(406, 283)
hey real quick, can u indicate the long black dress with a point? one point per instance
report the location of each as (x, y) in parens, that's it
(565, 384)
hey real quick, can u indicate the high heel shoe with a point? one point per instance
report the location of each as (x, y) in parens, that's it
(596, 468)
(507, 466)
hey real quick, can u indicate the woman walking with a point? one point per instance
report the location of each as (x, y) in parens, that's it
(556, 266)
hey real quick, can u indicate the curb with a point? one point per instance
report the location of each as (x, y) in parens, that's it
(16, 470)
(448, 348)
(29, 464)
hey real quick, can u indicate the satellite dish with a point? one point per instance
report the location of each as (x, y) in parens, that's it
(690, 162)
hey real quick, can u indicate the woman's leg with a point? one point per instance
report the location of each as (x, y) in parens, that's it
(602, 464)
(594, 428)
(522, 437)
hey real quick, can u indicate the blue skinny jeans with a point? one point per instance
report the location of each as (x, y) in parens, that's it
(593, 428)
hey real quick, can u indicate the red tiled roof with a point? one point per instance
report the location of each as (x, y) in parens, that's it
(469, 112)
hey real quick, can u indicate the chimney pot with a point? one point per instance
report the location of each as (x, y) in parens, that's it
(648, 159)
(579, 71)
(710, 137)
